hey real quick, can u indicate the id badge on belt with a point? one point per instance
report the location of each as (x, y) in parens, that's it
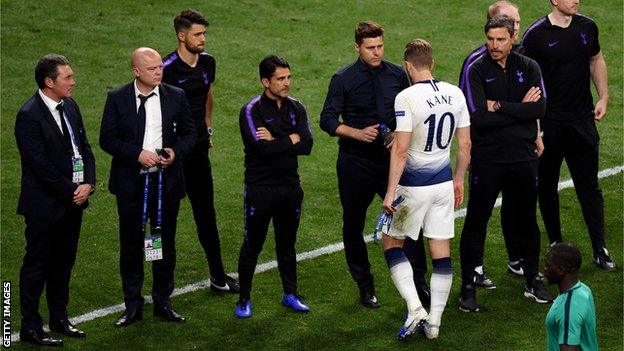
(78, 169)
(153, 248)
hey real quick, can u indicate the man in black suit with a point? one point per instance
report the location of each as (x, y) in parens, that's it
(139, 118)
(58, 175)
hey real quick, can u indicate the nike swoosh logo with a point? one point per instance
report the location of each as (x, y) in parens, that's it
(488, 80)
(182, 80)
(550, 45)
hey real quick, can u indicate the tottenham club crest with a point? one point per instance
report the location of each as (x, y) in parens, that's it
(583, 38)
(520, 76)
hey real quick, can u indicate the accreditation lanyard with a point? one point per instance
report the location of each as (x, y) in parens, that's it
(153, 242)
(77, 163)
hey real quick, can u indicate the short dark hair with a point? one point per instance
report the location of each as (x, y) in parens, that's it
(419, 53)
(565, 255)
(494, 9)
(500, 21)
(48, 67)
(187, 18)
(268, 65)
(367, 29)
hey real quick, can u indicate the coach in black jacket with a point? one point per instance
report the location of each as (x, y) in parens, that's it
(139, 118)
(53, 147)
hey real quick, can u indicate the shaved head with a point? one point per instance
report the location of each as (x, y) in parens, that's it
(147, 68)
(141, 54)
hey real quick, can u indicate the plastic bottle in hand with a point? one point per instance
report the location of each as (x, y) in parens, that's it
(386, 134)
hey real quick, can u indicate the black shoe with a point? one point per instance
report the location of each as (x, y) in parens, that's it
(537, 291)
(603, 260)
(424, 295)
(39, 338)
(169, 314)
(64, 326)
(369, 300)
(483, 281)
(515, 268)
(468, 299)
(129, 316)
(227, 285)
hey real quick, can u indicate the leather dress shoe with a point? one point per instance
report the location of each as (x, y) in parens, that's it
(169, 314)
(369, 300)
(64, 326)
(129, 316)
(39, 338)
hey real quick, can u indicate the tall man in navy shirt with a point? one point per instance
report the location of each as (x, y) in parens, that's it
(363, 93)
(565, 45)
(275, 131)
(505, 97)
(193, 70)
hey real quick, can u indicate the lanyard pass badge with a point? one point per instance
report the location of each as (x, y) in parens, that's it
(152, 244)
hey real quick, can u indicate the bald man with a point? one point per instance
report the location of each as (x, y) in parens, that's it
(147, 128)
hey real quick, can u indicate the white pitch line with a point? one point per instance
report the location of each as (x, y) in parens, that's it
(326, 250)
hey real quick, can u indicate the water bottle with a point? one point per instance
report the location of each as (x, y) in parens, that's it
(386, 134)
(384, 221)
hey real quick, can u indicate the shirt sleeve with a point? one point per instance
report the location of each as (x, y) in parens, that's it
(463, 119)
(304, 146)
(570, 327)
(250, 121)
(528, 110)
(403, 113)
(333, 107)
(595, 48)
(477, 104)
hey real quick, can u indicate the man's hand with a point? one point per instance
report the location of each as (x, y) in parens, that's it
(458, 189)
(294, 138)
(387, 203)
(368, 134)
(539, 146)
(534, 94)
(148, 159)
(264, 134)
(81, 194)
(490, 105)
(601, 109)
(166, 162)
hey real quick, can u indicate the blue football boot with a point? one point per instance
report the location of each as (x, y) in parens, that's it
(293, 301)
(243, 309)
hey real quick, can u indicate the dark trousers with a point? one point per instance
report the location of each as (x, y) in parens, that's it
(200, 191)
(131, 238)
(518, 183)
(50, 256)
(578, 145)
(282, 204)
(359, 180)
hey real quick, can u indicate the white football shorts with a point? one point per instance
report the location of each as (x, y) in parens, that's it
(428, 207)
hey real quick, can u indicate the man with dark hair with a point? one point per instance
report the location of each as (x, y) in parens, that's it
(505, 98)
(420, 173)
(514, 264)
(193, 70)
(571, 321)
(58, 176)
(147, 128)
(565, 45)
(275, 130)
(363, 93)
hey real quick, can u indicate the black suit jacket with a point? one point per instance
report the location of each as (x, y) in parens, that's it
(121, 135)
(46, 188)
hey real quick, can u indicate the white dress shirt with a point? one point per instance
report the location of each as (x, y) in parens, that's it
(152, 139)
(51, 104)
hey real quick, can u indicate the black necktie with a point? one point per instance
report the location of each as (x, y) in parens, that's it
(66, 135)
(141, 115)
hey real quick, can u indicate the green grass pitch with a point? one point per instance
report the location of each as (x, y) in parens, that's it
(316, 37)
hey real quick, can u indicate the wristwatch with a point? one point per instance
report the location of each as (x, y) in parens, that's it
(210, 131)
